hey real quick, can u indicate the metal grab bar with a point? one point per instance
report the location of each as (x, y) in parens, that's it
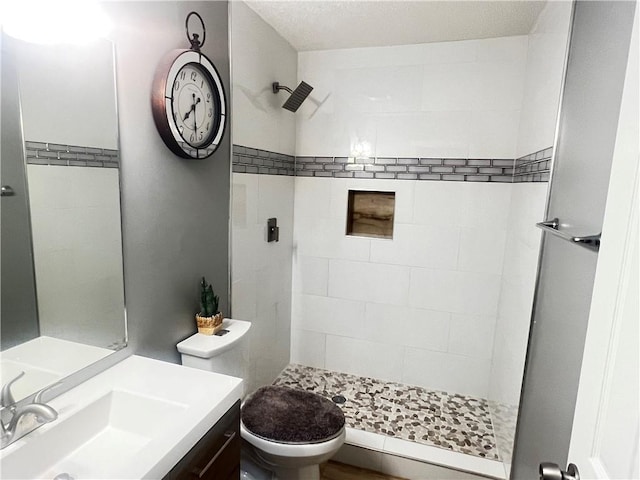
(6, 191)
(592, 242)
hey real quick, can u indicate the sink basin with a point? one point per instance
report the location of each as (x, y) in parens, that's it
(135, 420)
(96, 441)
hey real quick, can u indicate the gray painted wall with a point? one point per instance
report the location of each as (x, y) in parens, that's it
(19, 315)
(175, 211)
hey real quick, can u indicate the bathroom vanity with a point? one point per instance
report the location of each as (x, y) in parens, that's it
(217, 455)
(141, 418)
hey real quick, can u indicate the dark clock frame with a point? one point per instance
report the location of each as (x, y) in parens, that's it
(162, 109)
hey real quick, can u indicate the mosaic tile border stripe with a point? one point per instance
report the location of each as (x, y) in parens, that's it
(253, 160)
(44, 153)
(400, 168)
(450, 421)
(534, 167)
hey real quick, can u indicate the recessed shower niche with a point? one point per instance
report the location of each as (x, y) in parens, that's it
(370, 213)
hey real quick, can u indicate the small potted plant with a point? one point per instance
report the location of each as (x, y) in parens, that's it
(209, 319)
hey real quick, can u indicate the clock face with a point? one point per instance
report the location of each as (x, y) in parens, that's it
(193, 105)
(188, 104)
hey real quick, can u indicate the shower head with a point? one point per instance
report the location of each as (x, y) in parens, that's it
(298, 95)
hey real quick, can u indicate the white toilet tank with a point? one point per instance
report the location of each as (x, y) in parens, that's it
(226, 352)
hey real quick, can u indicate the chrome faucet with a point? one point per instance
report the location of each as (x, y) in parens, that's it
(18, 425)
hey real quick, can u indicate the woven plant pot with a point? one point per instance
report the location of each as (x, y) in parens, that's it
(209, 325)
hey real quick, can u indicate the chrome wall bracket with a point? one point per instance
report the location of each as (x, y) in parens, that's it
(7, 191)
(591, 242)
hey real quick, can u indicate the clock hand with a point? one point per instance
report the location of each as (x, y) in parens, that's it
(186, 115)
(194, 117)
(192, 109)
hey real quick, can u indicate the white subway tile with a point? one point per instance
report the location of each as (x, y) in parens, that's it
(312, 197)
(482, 250)
(456, 292)
(258, 119)
(308, 348)
(500, 86)
(263, 333)
(445, 371)
(340, 131)
(327, 238)
(416, 133)
(439, 203)
(271, 285)
(449, 87)
(244, 208)
(516, 300)
(380, 88)
(418, 245)
(312, 275)
(248, 250)
(244, 299)
(275, 199)
(545, 61)
(472, 335)
(412, 327)
(345, 354)
(334, 316)
(506, 371)
(493, 133)
(485, 205)
(368, 282)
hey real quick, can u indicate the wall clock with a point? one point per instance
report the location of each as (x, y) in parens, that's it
(188, 100)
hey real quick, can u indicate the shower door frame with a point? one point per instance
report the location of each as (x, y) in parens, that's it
(554, 249)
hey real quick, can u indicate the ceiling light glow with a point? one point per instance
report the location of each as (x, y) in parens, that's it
(54, 21)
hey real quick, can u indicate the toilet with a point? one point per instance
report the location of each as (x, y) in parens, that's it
(288, 432)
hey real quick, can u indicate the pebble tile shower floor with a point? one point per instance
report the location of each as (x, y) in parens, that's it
(455, 422)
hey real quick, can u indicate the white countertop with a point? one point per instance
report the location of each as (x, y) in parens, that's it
(194, 399)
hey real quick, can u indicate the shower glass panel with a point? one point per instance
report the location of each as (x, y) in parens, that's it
(586, 136)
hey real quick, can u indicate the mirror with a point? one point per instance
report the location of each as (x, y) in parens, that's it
(62, 270)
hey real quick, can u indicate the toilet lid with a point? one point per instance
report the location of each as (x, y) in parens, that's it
(285, 415)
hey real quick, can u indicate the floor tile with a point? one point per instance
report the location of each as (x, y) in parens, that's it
(451, 421)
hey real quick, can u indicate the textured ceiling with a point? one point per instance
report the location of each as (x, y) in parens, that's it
(330, 24)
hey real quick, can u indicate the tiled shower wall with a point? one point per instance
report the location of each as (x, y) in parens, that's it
(261, 271)
(420, 308)
(437, 100)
